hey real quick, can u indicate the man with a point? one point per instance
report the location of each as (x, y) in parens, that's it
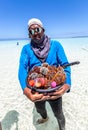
(43, 49)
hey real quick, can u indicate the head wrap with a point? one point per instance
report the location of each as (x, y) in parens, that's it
(34, 21)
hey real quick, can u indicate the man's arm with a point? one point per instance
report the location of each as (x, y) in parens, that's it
(22, 75)
(62, 60)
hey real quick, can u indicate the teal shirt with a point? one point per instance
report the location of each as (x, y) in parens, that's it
(28, 60)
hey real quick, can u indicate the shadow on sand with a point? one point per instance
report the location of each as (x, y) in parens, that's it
(51, 124)
(9, 120)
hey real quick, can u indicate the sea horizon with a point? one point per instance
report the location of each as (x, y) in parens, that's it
(60, 37)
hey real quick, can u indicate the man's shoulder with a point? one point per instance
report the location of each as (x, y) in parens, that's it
(27, 45)
(55, 42)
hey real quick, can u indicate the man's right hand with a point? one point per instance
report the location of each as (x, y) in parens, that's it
(34, 97)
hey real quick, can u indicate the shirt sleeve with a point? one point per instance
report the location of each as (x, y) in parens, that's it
(23, 67)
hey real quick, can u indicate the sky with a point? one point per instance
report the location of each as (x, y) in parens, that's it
(59, 17)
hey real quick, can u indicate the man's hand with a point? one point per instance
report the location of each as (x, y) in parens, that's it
(59, 92)
(35, 96)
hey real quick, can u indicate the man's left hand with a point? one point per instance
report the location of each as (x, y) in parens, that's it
(59, 92)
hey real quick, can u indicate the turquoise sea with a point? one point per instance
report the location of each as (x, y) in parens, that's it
(69, 44)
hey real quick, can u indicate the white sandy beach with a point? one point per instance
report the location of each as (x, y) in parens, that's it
(18, 113)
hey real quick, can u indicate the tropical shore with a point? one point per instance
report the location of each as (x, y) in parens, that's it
(18, 113)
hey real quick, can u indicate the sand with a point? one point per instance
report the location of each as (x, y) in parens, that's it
(18, 113)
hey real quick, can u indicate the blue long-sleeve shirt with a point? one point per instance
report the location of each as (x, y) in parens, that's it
(28, 59)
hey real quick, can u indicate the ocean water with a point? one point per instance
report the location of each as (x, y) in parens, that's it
(66, 42)
(8, 44)
(71, 45)
(75, 43)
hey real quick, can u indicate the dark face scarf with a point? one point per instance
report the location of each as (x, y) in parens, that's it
(41, 48)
